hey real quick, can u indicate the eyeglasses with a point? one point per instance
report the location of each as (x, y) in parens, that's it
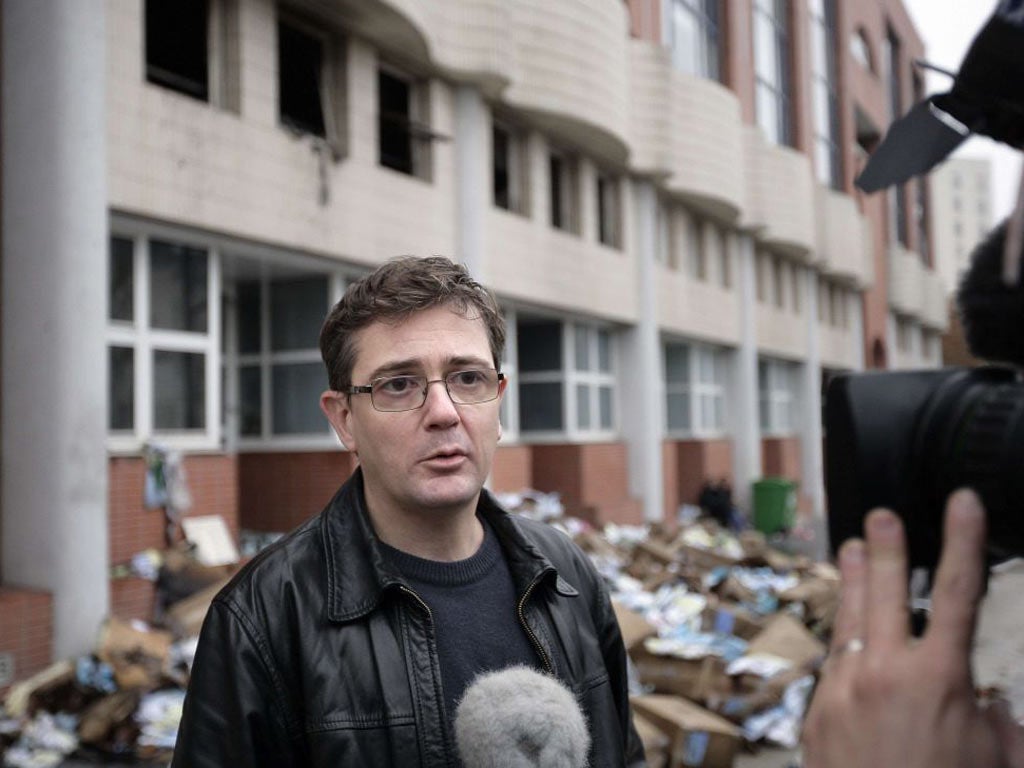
(392, 394)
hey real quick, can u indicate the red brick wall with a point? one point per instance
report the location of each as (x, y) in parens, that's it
(26, 629)
(278, 491)
(780, 457)
(670, 479)
(513, 469)
(698, 461)
(213, 482)
(592, 480)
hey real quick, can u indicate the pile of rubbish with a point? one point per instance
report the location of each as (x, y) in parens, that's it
(724, 634)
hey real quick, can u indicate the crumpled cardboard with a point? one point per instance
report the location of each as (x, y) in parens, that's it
(788, 638)
(634, 627)
(696, 679)
(698, 738)
(137, 653)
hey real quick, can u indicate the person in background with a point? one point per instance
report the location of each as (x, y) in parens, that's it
(887, 700)
(351, 641)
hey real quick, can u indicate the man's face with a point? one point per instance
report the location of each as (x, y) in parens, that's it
(436, 457)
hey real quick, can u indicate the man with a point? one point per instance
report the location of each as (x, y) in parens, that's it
(349, 642)
(888, 701)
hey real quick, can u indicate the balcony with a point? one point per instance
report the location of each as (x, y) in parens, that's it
(935, 314)
(840, 238)
(906, 281)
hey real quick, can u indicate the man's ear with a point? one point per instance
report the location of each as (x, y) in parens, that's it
(337, 409)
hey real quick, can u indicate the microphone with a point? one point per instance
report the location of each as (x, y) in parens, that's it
(520, 718)
(992, 311)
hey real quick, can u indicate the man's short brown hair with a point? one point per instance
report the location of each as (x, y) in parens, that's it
(393, 292)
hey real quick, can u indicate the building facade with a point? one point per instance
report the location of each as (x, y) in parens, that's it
(962, 214)
(660, 192)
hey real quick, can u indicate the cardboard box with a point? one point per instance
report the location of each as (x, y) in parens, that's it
(696, 679)
(730, 619)
(634, 627)
(656, 742)
(185, 617)
(136, 653)
(699, 739)
(788, 638)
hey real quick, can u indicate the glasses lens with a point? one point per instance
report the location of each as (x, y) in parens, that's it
(398, 393)
(477, 386)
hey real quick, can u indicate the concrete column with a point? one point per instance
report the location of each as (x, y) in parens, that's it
(811, 453)
(746, 421)
(472, 177)
(53, 483)
(855, 305)
(642, 392)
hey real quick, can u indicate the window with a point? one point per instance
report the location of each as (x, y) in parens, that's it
(771, 69)
(725, 258)
(777, 396)
(402, 132)
(696, 256)
(562, 179)
(663, 233)
(824, 79)
(162, 356)
(192, 47)
(509, 168)
(566, 378)
(762, 276)
(694, 37)
(861, 51)
(300, 79)
(696, 376)
(798, 275)
(280, 374)
(898, 220)
(177, 46)
(609, 216)
(779, 268)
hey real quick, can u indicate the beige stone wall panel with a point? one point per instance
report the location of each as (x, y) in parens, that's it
(695, 309)
(781, 332)
(840, 237)
(906, 281)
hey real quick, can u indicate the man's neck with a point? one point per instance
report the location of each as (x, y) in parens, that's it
(432, 534)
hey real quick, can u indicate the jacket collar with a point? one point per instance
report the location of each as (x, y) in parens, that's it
(358, 575)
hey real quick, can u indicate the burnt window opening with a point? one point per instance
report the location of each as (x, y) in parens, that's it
(177, 46)
(502, 141)
(396, 127)
(300, 76)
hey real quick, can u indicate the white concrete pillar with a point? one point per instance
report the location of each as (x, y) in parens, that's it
(642, 391)
(855, 305)
(811, 452)
(53, 481)
(746, 419)
(472, 177)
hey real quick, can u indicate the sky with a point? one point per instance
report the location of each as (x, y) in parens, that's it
(947, 28)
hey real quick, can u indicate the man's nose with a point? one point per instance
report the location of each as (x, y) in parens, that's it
(438, 404)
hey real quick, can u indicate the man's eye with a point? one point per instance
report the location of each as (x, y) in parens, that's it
(469, 378)
(397, 385)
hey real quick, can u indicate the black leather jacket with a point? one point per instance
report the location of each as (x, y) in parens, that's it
(317, 654)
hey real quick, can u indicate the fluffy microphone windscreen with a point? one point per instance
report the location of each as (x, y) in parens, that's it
(520, 718)
(991, 311)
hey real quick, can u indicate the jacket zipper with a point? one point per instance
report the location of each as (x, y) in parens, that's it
(419, 600)
(533, 637)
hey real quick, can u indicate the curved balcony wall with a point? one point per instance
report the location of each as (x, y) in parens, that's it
(840, 234)
(691, 308)
(935, 314)
(780, 196)
(573, 71)
(906, 281)
(686, 129)
(781, 332)
(529, 261)
(839, 347)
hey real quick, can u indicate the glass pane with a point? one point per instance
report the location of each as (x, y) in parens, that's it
(297, 310)
(707, 411)
(719, 413)
(249, 317)
(581, 339)
(179, 390)
(122, 283)
(540, 406)
(604, 351)
(296, 398)
(539, 346)
(250, 401)
(705, 366)
(677, 363)
(582, 406)
(607, 416)
(122, 388)
(685, 45)
(677, 406)
(177, 287)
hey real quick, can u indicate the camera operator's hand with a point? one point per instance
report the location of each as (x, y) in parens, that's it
(886, 700)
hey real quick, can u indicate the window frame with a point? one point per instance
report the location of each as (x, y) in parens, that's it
(332, 80)
(697, 389)
(773, 16)
(777, 395)
(517, 167)
(823, 39)
(417, 128)
(608, 205)
(568, 192)
(706, 17)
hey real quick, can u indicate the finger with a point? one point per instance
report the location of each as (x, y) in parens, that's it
(886, 599)
(849, 621)
(1008, 732)
(960, 578)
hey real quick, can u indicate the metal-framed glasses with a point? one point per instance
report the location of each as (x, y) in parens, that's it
(407, 393)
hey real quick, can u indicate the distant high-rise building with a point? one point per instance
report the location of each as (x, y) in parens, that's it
(961, 213)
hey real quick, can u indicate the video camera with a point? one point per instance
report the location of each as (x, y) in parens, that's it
(905, 440)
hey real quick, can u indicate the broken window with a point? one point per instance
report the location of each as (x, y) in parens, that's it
(177, 46)
(609, 211)
(399, 133)
(300, 57)
(509, 168)
(562, 182)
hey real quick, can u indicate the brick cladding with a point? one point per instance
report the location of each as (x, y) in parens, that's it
(592, 479)
(213, 482)
(513, 469)
(278, 491)
(26, 631)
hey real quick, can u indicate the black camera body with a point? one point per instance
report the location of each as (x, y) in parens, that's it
(906, 440)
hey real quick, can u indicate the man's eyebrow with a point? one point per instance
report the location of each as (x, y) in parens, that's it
(414, 365)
